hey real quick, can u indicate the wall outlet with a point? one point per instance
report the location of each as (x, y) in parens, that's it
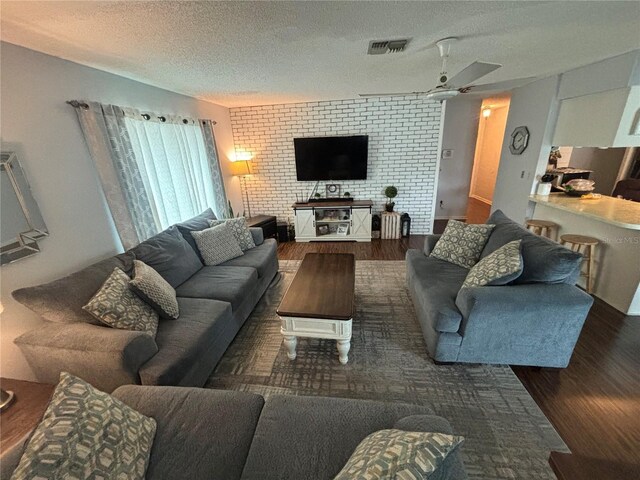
(448, 153)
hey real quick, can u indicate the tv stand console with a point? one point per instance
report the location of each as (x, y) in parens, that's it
(333, 221)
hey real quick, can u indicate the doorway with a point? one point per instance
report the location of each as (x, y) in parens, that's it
(491, 127)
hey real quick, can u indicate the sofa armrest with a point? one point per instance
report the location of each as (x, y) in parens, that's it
(430, 242)
(105, 357)
(257, 234)
(538, 320)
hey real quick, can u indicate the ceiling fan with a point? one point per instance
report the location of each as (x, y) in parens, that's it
(462, 81)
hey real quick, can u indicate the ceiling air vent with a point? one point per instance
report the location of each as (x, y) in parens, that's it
(378, 47)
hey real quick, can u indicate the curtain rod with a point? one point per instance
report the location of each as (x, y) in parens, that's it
(146, 116)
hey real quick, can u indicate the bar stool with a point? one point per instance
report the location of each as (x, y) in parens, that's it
(588, 245)
(544, 228)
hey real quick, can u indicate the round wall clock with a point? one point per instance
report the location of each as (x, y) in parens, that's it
(519, 140)
(332, 190)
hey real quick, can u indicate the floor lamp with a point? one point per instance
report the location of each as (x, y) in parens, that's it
(242, 168)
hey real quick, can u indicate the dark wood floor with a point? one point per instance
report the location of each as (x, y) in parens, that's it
(594, 404)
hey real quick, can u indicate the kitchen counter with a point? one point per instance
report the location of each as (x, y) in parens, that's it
(616, 224)
(615, 211)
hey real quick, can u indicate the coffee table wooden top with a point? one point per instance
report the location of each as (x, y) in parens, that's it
(323, 287)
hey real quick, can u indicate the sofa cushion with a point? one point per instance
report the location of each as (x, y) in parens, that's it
(86, 433)
(452, 468)
(461, 243)
(259, 257)
(544, 260)
(217, 244)
(498, 268)
(435, 284)
(227, 284)
(390, 454)
(154, 290)
(182, 342)
(62, 300)
(301, 437)
(240, 231)
(201, 434)
(115, 305)
(195, 224)
(169, 254)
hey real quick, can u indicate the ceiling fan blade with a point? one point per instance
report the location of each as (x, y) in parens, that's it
(498, 86)
(389, 94)
(472, 73)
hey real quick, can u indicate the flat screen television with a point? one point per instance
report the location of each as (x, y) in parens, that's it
(331, 158)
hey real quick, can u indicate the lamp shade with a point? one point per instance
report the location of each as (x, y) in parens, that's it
(240, 168)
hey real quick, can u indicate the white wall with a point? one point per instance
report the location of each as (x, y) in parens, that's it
(403, 151)
(459, 134)
(535, 106)
(45, 133)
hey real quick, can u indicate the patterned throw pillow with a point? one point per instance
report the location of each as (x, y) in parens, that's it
(498, 268)
(462, 243)
(117, 306)
(217, 244)
(240, 231)
(394, 454)
(155, 290)
(86, 433)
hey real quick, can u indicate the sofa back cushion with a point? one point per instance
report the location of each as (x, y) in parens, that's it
(62, 300)
(169, 254)
(196, 224)
(544, 261)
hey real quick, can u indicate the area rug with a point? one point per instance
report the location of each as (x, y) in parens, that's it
(507, 436)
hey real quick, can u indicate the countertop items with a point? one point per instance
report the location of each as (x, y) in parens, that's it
(615, 211)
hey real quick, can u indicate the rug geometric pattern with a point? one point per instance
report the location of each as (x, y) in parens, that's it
(506, 434)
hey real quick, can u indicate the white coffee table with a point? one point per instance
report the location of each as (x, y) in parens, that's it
(319, 303)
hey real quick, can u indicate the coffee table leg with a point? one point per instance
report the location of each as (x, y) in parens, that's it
(343, 351)
(290, 342)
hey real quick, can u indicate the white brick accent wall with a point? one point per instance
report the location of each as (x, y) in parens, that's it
(403, 151)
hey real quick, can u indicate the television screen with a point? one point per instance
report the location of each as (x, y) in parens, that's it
(331, 158)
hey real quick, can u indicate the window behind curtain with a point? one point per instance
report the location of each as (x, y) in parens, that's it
(174, 167)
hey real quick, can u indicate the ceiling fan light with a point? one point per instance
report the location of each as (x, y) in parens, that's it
(441, 95)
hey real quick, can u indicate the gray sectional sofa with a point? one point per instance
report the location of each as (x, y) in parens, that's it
(225, 435)
(535, 320)
(214, 303)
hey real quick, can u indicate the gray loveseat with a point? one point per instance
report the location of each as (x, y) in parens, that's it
(225, 435)
(535, 320)
(214, 303)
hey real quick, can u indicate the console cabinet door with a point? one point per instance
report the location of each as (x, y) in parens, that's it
(305, 223)
(361, 218)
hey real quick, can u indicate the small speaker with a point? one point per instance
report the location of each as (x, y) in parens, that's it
(283, 232)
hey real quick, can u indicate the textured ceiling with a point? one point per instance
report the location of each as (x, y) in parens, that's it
(251, 53)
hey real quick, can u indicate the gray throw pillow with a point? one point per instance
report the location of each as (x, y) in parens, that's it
(394, 454)
(169, 254)
(153, 289)
(217, 244)
(117, 306)
(240, 231)
(545, 261)
(499, 268)
(197, 223)
(86, 433)
(461, 243)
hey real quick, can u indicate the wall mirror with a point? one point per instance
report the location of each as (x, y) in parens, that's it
(21, 224)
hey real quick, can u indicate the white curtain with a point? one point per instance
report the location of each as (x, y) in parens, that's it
(155, 170)
(173, 163)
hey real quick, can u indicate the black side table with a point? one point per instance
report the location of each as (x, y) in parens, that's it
(268, 224)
